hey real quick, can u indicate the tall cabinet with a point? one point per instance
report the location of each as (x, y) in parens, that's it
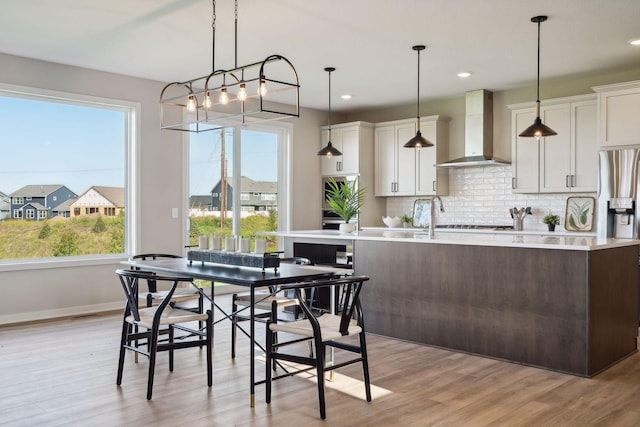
(564, 163)
(355, 142)
(402, 171)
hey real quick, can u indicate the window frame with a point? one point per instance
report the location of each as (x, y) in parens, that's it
(133, 133)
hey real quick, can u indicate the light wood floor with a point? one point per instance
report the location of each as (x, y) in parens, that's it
(63, 372)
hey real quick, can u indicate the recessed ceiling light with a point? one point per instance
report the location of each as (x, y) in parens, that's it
(635, 42)
(464, 74)
(346, 96)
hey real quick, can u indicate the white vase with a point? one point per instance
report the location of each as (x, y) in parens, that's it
(347, 227)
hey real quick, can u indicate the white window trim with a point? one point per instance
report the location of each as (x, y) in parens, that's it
(132, 169)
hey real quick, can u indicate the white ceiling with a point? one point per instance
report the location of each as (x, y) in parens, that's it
(368, 41)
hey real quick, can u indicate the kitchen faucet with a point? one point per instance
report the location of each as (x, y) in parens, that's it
(433, 214)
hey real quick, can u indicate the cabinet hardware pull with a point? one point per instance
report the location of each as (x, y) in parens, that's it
(573, 180)
(566, 181)
(513, 183)
(433, 187)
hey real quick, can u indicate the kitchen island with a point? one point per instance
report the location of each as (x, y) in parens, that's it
(566, 303)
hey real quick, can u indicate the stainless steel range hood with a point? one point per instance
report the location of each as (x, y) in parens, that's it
(478, 132)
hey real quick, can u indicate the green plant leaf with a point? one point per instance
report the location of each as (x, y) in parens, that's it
(345, 198)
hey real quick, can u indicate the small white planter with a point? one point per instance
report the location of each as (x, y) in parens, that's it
(346, 227)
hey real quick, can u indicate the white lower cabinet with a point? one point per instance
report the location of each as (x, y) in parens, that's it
(403, 171)
(566, 162)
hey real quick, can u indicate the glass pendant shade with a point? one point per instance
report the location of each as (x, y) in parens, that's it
(329, 150)
(538, 129)
(418, 141)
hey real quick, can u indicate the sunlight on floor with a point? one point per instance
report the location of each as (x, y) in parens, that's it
(342, 383)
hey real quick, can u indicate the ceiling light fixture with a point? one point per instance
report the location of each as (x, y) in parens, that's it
(635, 42)
(346, 96)
(418, 141)
(464, 74)
(226, 98)
(329, 150)
(538, 129)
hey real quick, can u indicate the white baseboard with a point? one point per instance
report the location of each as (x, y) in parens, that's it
(84, 310)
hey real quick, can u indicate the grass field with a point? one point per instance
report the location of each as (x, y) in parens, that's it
(92, 235)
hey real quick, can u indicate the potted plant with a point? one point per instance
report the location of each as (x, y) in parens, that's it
(345, 199)
(551, 220)
(406, 220)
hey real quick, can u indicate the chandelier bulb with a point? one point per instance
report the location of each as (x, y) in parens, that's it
(262, 89)
(191, 103)
(224, 97)
(242, 93)
(207, 100)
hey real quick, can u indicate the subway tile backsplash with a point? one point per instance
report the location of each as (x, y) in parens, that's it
(483, 195)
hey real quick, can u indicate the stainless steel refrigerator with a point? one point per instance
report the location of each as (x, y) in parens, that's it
(617, 213)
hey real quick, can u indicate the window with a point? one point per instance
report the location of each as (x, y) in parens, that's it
(268, 197)
(110, 211)
(248, 159)
(54, 130)
(90, 211)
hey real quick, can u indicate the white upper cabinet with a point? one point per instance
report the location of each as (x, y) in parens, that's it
(346, 138)
(403, 171)
(429, 179)
(618, 114)
(524, 152)
(566, 162)
(394, 165)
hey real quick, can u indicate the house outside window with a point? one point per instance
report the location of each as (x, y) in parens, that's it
(31, 214)
(17, 214)
(42, 214)
(17, 200)
(244, 196)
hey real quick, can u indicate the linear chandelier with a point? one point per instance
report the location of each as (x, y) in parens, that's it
(261, 91)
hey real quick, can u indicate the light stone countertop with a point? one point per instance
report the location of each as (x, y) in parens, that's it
(563, 241)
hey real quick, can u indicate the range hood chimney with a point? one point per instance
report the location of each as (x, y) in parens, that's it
(478, 132)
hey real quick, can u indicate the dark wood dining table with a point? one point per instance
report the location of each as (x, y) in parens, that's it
(251, 278)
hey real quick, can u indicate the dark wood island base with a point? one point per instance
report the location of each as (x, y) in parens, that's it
(572, 311)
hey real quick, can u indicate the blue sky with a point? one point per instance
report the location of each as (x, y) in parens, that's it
(44, 143)
(53, 143)
(259, 158)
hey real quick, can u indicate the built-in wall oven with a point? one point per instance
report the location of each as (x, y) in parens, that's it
(330, 220)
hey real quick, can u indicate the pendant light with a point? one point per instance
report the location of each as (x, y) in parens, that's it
(329, 150)
(538, 129)
(418, 141)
